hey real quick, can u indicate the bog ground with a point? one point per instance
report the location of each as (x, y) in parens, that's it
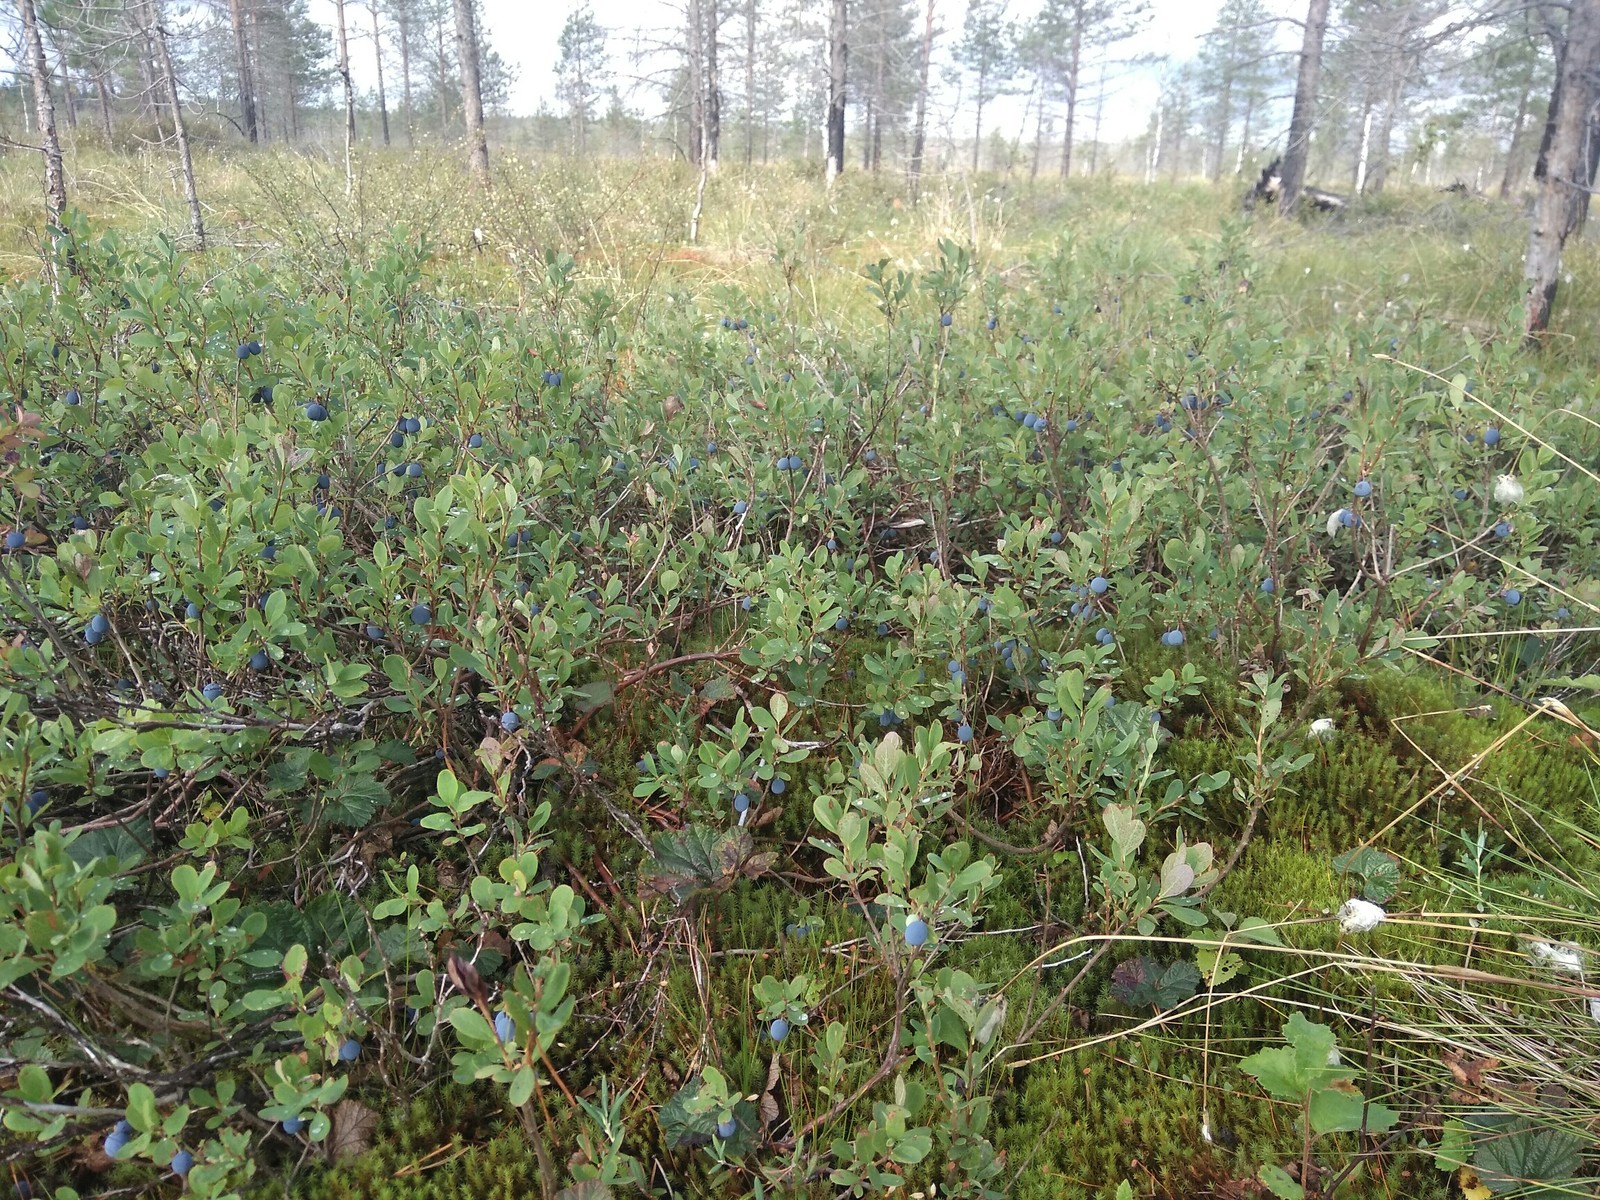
(1050, 692)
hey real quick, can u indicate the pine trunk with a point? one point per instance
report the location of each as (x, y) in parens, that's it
(837, 54)
(404, 22)
(749, 81)
(241, 54)
(919, 136)
(377, 54)
(1555, 210)
(713, 88)
(1298, 145)
(349, 98)
(472, 90)
(55, 174)
(1074, 69)
(169, 77)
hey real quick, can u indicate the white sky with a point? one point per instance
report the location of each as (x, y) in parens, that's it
(524, 32)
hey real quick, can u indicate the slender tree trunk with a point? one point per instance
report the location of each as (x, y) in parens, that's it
(404, 21)
(472, 90)
(713, 88)
(1099, 111)
(1515, 144)
(349, 98)
(103, 91)
(1224, 121)
(66, 93)
(837, 55)
(1304, 117)
(241, 54)
(1362, 156)
(977, 129)
(443, 65)
(749, 81)
(919, 136)
(1074, 70)
(181, 130)
(695, 44)
(1244, 136)
(55, 174)
(377, 54)
(1555, 212)
(879, 87)
(258, 85)
(1379, 173)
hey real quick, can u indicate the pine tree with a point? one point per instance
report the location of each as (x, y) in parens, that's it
(581, 71)
(987, 51)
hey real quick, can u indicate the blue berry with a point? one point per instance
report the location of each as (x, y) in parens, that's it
(1105, 637)
(181, 1162)
(412, 424)
(945, 319)
(115, 1141)
(1173, 637)
(316, 411)
(1052, 715)
(1098, 585)
(1562, 613)
(414, 470)
(16, 539)
(161, 772)
(916, 932)
(963, 732)
(421, 615)
(510, 722)
(1491, 436)
(72, 397)
(475, 442)
(92, 638)
(1460, 493)
(726, 1129)
(870, 456)
(259, 661)
(349, 1050)
(243, 352)
(778, 1030)
(37, 799)
(211, 691)
(741, 803)
(1268, 585)
(779, 786)
(504, 1027)
(740, 507)
(1511, 596)
(711, 447)
(1363, 488)
(374, 633)
(397, 438)
(270, 552)
(293, 1125)
(842, 624)
(1502, 529)
(99, 624)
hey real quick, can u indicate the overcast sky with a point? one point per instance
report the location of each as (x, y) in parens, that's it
(525, 31)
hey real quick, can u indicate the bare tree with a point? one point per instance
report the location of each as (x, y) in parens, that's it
(838, 53)
(472, 90)
(377, 54)
(247, 91)
(1560, 175)
(919, 136)
(402, 18)
(713, 88)
(349, 98)
(749, 80)
(55, 175)
(169, 78)
(1303, 118)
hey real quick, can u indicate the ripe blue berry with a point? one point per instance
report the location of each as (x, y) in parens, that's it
(963, 732)
(421, 615)
(16, 539)
(1098, 585)
(72, 397)
(779, 785)
(741, 803)
(726, 1129)
(475, 442)
(740, 507)
(510, 722)
(1511, 596)
(1363, 488)
(1491, 436)
(211, 691)
(778, 1030)
(1268, 585)
(293, 1125)
(504, 1027)
(945, 319)
(1502, 529)
(916, 932)
(1173, 637)
(259, 661)
(99, 624)
(349, 1050)
(414, 470)
(115, 1141)
(412, 424)
(842, 624)
(1052, 715)
(181, 1162)
(316, 411)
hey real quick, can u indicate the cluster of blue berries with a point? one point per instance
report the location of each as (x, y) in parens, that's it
(791, 462)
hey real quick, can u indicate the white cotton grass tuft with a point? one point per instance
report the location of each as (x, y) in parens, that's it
(1360, 916)
(1561, 957)
(1508, 490)
(1323, 729)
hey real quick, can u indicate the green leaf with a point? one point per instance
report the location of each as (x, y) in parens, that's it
(1335, 1110)
(1277, 1182)
(700, 858)
(1522, 1152)
(1454, 1148)
(141, 1108)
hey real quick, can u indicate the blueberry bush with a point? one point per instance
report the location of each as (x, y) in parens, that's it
(914, 718)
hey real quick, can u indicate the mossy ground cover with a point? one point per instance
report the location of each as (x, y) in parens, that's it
(889, 697)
